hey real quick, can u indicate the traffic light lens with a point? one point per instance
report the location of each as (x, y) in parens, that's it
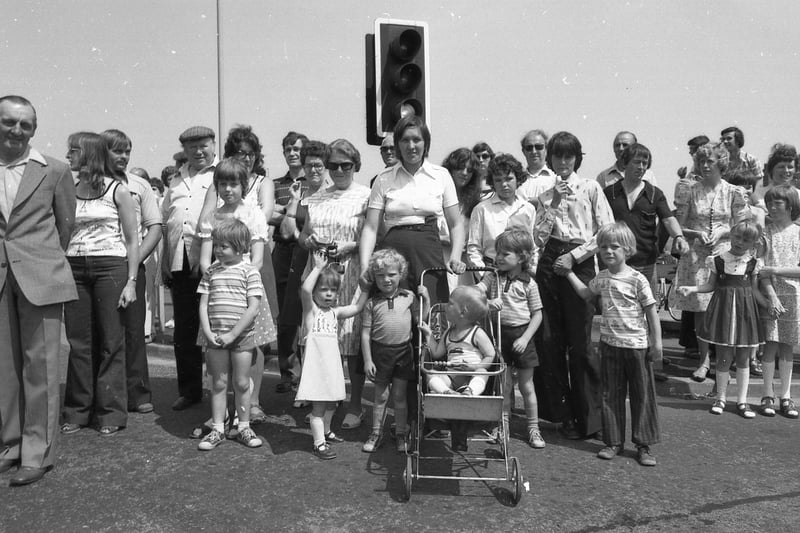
(407, 78)
(406, 45)
(407, 107)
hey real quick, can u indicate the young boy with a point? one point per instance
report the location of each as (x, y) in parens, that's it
(520, 309)
(386, 344)
(629, 312)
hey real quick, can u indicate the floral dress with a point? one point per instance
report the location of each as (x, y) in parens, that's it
(705, 210)
(783, 250)
(253, 198)
(336, 215)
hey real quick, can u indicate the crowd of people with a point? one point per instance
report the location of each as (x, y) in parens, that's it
(329, 271)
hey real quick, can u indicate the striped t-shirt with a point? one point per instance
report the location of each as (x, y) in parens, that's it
(520, 297)
(228, 288)
(623, 296)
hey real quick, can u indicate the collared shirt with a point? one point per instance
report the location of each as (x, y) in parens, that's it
(11, 175)
(536, 184)
(612, 175)
(389, 319)
(745, 162)
(489, 219)
(406, 199)
(181, 211)
(577, 218)
(147, 211)
(623, 297)
(520, 296)
(649, 207)
(283, 196)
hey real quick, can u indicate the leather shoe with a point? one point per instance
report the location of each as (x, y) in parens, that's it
(8, 464)
(27, 475)
(144, 408)
(570, 431)
(183, 403)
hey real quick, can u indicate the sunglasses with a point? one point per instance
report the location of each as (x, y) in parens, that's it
(344, 167)
(244, 155)
(386, 149)
(532, 147)
(484, 157)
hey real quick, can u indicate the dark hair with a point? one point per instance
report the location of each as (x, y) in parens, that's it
(411, 121)
(470, 193)
(781, 153)
(244, 134)
(231, 170)
(564, 143)
(313, 149)
(291, 138)
(788, 194)
(167, 173)
(158, 184)
(743, 178)
(483, 147)
(636, 150)
(696, 142)
(503, 164)
(234, 232)
(93, 162)
(738, 136)
(345, 147)
(19, 100)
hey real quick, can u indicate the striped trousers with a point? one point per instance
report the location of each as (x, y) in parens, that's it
(623, 370)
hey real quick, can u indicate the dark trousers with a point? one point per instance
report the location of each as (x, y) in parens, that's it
(568, 378)
(624, 370)
(137, 375)
(96, 369)
(188, 355)
(287, 330)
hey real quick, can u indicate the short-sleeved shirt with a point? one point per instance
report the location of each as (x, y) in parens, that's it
(228, 288)
(520, 297)
(649, 207)
(147, 211)
(623, 298)
(735, 265)
(390, 319)
(250, 215)
(406, 199)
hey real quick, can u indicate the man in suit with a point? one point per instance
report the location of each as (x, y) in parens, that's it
(37, 212)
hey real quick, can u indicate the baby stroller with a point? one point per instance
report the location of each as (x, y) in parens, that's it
(487, 407)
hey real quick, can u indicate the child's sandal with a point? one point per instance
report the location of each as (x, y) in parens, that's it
(768, 406)
(717, 407)
(788, 408)
(744, 410)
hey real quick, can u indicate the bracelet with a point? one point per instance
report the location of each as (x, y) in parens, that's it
(681, 236)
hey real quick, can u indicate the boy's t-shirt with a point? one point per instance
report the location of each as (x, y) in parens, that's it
(623, 298)
(228, 288)
(520, 297)
(390, 319)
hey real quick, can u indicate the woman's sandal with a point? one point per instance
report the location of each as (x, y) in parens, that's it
(717, 407)
(700, 374)
(744, 410)
(352, 421)
(768, 406)
(788, 408)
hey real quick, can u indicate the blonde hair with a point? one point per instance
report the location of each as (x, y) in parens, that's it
(473, 303)
(618, 232)
(747, 229)
(388, 257)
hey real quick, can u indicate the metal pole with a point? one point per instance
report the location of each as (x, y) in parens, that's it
(220, 114)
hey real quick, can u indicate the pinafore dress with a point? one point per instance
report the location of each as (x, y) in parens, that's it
(732, 314)
(323, 375)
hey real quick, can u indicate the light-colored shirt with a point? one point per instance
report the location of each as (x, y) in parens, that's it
(612, 174)
(390, 324)
(577, 218)
(11, 174)
(97, 230)
(623, 298)
(181, 211)
(520, 296)
(536, 184)
(746, 162)
(228, 288)
(407, 199)
(147, 212)
(489, 219)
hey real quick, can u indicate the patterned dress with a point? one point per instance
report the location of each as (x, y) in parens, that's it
(704, 210)
(336, 215)
(253, 198)
(783, 250)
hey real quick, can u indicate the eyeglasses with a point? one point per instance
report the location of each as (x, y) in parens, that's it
(385, 149)
(244, 155)
(344, 167)
(319, 167)
(532, 147)
(484, 156)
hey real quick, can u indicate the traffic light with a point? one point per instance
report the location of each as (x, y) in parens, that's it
(397, 75)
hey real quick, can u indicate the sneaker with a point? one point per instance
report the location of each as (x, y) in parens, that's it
(402, 443)
(249, 438)
(211, 441)
(373, 443)
(535, 439)
(333, 437)
(644, 456)
(609, 452)
(69, 429)
(324, 451)
(717, 407)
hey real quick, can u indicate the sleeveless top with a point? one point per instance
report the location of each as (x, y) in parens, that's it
(97, 229)
(463, 350)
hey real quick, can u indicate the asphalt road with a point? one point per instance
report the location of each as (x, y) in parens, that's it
(715, 473)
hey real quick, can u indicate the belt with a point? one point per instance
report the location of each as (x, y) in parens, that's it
(430, 221)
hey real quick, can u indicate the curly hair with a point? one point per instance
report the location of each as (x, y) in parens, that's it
(240, 134)
(385, 258)
(780, 153)
(716, 151)
(502, 165)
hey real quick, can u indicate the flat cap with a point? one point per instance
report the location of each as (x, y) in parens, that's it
(196, 132)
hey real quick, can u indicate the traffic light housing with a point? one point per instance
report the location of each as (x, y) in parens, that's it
(397, 75)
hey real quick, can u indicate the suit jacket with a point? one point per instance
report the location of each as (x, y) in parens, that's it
(37, 231)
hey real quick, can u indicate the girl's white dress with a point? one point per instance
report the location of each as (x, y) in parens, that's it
(323, 374)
